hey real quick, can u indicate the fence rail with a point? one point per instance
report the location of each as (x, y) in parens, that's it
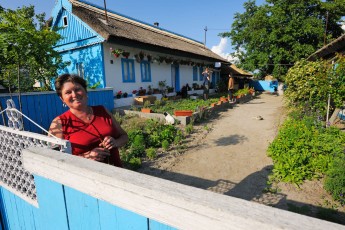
(43, 107)
(76, 193)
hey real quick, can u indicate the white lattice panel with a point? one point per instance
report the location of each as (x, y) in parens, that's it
(12, 174)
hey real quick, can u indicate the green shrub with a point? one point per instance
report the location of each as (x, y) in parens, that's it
(151, 153)
(165, 145)
(335, 179)
(309, 84)
(138, 146)
(189, 128)
(303, 149)
(147, 104)
(134, 163)
(178, 138)
(168, 133)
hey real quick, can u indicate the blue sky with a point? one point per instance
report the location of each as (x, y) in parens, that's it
(185, 17)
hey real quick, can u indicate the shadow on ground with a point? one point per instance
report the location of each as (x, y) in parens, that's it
(251, 188)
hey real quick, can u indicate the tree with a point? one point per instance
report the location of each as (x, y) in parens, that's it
(310, 83)
(272, 37)
(26, 49)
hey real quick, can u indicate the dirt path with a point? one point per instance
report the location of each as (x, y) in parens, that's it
(231, 158)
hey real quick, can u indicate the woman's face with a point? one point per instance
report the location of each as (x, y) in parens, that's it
(73, 95)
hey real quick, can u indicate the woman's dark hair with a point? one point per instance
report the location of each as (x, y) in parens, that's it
(62, 79)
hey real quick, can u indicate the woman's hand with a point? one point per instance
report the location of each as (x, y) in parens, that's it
(108, 143)
(97, 154)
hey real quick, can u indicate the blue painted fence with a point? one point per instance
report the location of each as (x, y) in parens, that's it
(43, 107)
(264, 85)
(62, 207)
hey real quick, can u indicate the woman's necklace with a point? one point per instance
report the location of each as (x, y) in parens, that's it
(89, 114)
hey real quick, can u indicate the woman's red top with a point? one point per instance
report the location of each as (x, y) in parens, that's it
(87, 136)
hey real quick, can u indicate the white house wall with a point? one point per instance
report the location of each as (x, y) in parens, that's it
(159, 71)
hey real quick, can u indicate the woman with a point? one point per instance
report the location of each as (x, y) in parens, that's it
(206, 84)
(92, 130)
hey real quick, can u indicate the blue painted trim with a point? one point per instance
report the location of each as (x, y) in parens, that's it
(201, 77)
(103, 62)
(177, 77)
(128, 61)
(195, 73)
(145, 65)
(3, 213)
(114, 12)
(78, 44)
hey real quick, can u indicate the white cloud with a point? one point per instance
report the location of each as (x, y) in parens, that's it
(221, 48)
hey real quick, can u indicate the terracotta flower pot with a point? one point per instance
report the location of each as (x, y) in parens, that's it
(186, 113)
(213, 104)
(223, 99)
(146, 110)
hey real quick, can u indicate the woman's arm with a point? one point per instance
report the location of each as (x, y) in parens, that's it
(111, 142)
(55, 128)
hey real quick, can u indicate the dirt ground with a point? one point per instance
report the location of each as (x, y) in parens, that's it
(227, 155)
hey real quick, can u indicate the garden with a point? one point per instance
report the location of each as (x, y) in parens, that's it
(150, 137)
(307, 147)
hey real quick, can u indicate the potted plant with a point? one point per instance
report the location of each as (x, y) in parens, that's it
(162, 84)
(168, 60)
(185, 113)
(149, 90)
(223, 99)
(137, 58)
(134, 92)
(141, 55)
(126, 54)
(195, 86)
(146, 107)
(117, 52)
(142, 91)
(125, 94)
(149, 57)
(119, 94)
(170, 89)
(156, 91)
(161, 59)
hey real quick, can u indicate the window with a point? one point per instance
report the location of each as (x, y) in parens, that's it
(80, 69)
(128, 74)
(64, 21)
(195, 73)
(200, 74)
(145, 71)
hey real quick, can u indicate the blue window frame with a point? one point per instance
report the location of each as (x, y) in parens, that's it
(201, 77)
(145, 71)
(195, 73)
(128, 74)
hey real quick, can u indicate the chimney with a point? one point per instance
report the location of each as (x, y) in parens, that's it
(156, 24)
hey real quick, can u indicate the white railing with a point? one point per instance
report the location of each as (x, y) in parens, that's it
(176, 205)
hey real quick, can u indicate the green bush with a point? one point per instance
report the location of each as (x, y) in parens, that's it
(151, 153)
(335, 179)
(134, 163)
(189, 128)
(165, 145)
(310, 83)
(138, 146)
(303, 149)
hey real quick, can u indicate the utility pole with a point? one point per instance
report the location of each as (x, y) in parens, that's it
(205, 36)
(105, 11)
